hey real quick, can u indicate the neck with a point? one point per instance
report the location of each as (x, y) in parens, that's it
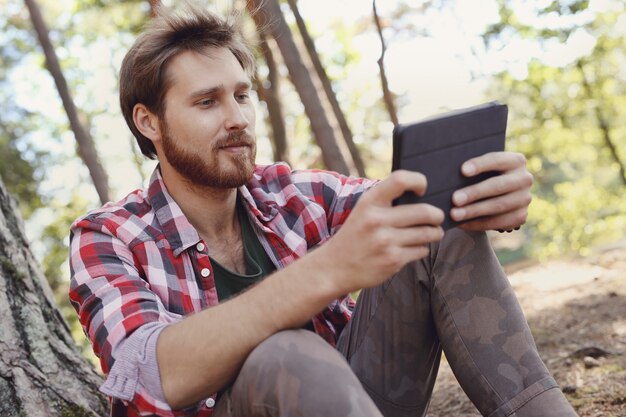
(212, 211)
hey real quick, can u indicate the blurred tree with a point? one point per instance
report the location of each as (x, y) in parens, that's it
(569, 120)
(154, 5)
(269, 92)
(269, 17)
(32, 143)
(328, 89)
(19, 160)
(42, 374)
(86, 147)
(20, 173)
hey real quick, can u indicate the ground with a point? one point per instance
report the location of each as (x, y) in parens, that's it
(577, 312)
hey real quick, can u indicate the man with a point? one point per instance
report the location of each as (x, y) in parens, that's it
(221, 288)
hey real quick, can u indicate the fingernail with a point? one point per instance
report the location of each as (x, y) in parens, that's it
(468, 169)
(459, 198)
(458, 213)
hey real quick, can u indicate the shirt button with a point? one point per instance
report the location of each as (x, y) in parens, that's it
(205, 272)
(200, 247)
(210, 402)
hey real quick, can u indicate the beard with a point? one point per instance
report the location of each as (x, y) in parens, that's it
(206, 169)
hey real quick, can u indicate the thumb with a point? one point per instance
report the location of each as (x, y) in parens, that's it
(395, 185)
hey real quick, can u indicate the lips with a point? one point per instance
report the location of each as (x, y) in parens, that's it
(236, 145)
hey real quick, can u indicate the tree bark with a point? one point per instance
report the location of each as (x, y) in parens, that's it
(267, 14)
(387, 95)
(86, 148)
(328, 89)
(42, 373)
(269, 94)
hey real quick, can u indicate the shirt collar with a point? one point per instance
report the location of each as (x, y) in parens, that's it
(179, 232)
(264, 211)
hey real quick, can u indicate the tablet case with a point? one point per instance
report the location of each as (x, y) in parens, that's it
(438, 146)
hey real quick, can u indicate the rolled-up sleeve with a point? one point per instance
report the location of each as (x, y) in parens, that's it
(120, 314)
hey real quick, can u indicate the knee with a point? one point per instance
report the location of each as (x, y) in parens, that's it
(290, 350)
(295, 357)
(297, 369)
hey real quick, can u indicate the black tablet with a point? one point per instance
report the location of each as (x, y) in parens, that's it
(438, 146)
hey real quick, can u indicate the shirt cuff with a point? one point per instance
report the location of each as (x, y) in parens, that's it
(136, 363)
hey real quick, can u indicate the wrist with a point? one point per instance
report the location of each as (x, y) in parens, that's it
(331, 270)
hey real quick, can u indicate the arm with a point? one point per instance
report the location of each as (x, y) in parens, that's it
(119, 313)
(374, 242)
(501, 201)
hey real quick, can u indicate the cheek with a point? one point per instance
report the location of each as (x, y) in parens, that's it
(196, 127)
(250, 113)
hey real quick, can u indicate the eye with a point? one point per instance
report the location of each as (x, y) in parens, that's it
(207, 102)
(243, 96)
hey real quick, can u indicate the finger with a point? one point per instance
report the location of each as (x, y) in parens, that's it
(493, 206)
(414, 236)
(494, 186)
(415, 214)
(413, 253)
(504, 221)
(395, 185)
(493, 161)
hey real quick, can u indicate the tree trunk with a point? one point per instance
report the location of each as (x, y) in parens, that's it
(387, 95)
(42, 373)
(86, 148)
(267, 15)
(154, 5)
(268, 92)
(328, 89)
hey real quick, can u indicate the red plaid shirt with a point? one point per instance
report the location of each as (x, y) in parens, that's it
(139, 265)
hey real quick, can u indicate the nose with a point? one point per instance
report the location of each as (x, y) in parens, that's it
(235, 118)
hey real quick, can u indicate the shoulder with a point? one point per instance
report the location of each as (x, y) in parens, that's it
(280, 178)
(126, 219)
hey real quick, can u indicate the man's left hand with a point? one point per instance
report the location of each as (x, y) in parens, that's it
(499, 202)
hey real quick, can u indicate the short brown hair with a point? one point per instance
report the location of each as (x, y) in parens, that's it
(143, 75)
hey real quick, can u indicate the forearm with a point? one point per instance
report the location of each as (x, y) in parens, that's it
(201, 354)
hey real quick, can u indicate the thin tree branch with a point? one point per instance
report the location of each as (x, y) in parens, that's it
(387, 94)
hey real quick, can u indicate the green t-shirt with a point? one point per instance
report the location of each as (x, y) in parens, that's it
(258, 265)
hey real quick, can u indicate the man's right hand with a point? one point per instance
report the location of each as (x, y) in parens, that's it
(374, 243)
(378, 239)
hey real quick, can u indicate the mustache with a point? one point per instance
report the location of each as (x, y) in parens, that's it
(239, 138)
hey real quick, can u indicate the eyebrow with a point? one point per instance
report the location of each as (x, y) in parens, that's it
(218, 89)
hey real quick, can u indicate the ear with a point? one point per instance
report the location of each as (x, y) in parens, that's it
(146, 122)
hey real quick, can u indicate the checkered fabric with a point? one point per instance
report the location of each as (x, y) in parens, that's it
(137, 266)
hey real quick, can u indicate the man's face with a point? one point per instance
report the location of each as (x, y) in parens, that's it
(208, 128)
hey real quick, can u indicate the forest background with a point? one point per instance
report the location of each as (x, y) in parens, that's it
(559, 65)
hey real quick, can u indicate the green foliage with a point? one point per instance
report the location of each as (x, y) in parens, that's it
(565, 119)
(566, 7)
(19, 161)
(54, 238)
(17, 172)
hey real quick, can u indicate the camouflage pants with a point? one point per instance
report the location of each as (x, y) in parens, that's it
(457, 299)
